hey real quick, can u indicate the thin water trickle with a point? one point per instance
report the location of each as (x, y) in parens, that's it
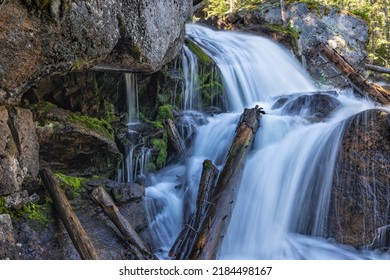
(284, 193)
(132, 98)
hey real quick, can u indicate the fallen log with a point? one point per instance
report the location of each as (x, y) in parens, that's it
(174, 136)
(72, 224)
(377, 68)
(362, 86)
(185, 241)
(218, 215)
(140, 251)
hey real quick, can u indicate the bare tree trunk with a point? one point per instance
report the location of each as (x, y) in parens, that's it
(174, 136)
(105, 201)
(219, 213)
(363, 87)
(72, 224)
(376, 68)
(184, 243)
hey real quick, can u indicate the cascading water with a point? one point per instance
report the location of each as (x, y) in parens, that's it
(284, 194)
(132, 98)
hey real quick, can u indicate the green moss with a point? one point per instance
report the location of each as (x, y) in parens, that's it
(98, 125)
(207, 164)
(160, 145)
(74, 183)
(32, 211)
(202, 56)
(289, 29)
(151, 167)
(78, 64)
(164, 112)
(42, 4)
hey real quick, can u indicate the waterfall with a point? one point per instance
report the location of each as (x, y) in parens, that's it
(132, 98)
(284, 193)
(192, 98)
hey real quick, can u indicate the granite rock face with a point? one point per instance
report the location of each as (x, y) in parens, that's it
(19, 149)
(360, 198)
(65, 35)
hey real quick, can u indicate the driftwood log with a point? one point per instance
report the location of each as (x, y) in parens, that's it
(139, 249)
(174, 136)
(377, 68)
(184, 243)
(72, 224)
(218, 214)
(361, 85)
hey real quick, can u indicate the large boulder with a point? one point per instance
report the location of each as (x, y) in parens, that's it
(19, 149)
(75, 144)
(360, 197)
(312, 25)
(315, 106)
(40, 38)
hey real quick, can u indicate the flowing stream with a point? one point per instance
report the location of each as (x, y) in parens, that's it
(289, 171)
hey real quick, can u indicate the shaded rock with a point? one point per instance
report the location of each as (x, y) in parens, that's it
(316, 106)
(360, 197)
(73, 144)
(16, 200)
(34, 245)
(63, 35)
(8, 249)
(121, 192)
(19, 149)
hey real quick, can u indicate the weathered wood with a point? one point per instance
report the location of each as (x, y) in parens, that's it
(185, 241)
(72, 224)
(174, 136)
(362, 86)
(377, 68)
(105, 201)
(218, 215)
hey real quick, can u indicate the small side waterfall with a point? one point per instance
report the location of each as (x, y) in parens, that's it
(284, 194)
(136, 155)
(132, 98)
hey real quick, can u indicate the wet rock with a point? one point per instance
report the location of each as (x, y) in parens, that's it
(382, 238)
(19, 149)
(316, 106)
(74, 144)
(121, 192)
(8, 249)
(360, 197)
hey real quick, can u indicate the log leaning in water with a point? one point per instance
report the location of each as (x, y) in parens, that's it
(184, 243)
(140, 251)
(174, 136)
(218, 215)
(72, 224)
(362, 86)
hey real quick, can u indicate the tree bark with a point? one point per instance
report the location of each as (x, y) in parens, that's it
(105, 201)
(219, 213)
(72, 224)
(377, 68)
(174, 136)
(363, 87)
(184, 243)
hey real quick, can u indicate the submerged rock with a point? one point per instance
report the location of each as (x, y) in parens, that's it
(360, 197)
(316, 106)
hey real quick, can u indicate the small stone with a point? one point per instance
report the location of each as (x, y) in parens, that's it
(16, 200)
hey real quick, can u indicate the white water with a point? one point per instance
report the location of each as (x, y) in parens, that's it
(286, 181)
(132, 98)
